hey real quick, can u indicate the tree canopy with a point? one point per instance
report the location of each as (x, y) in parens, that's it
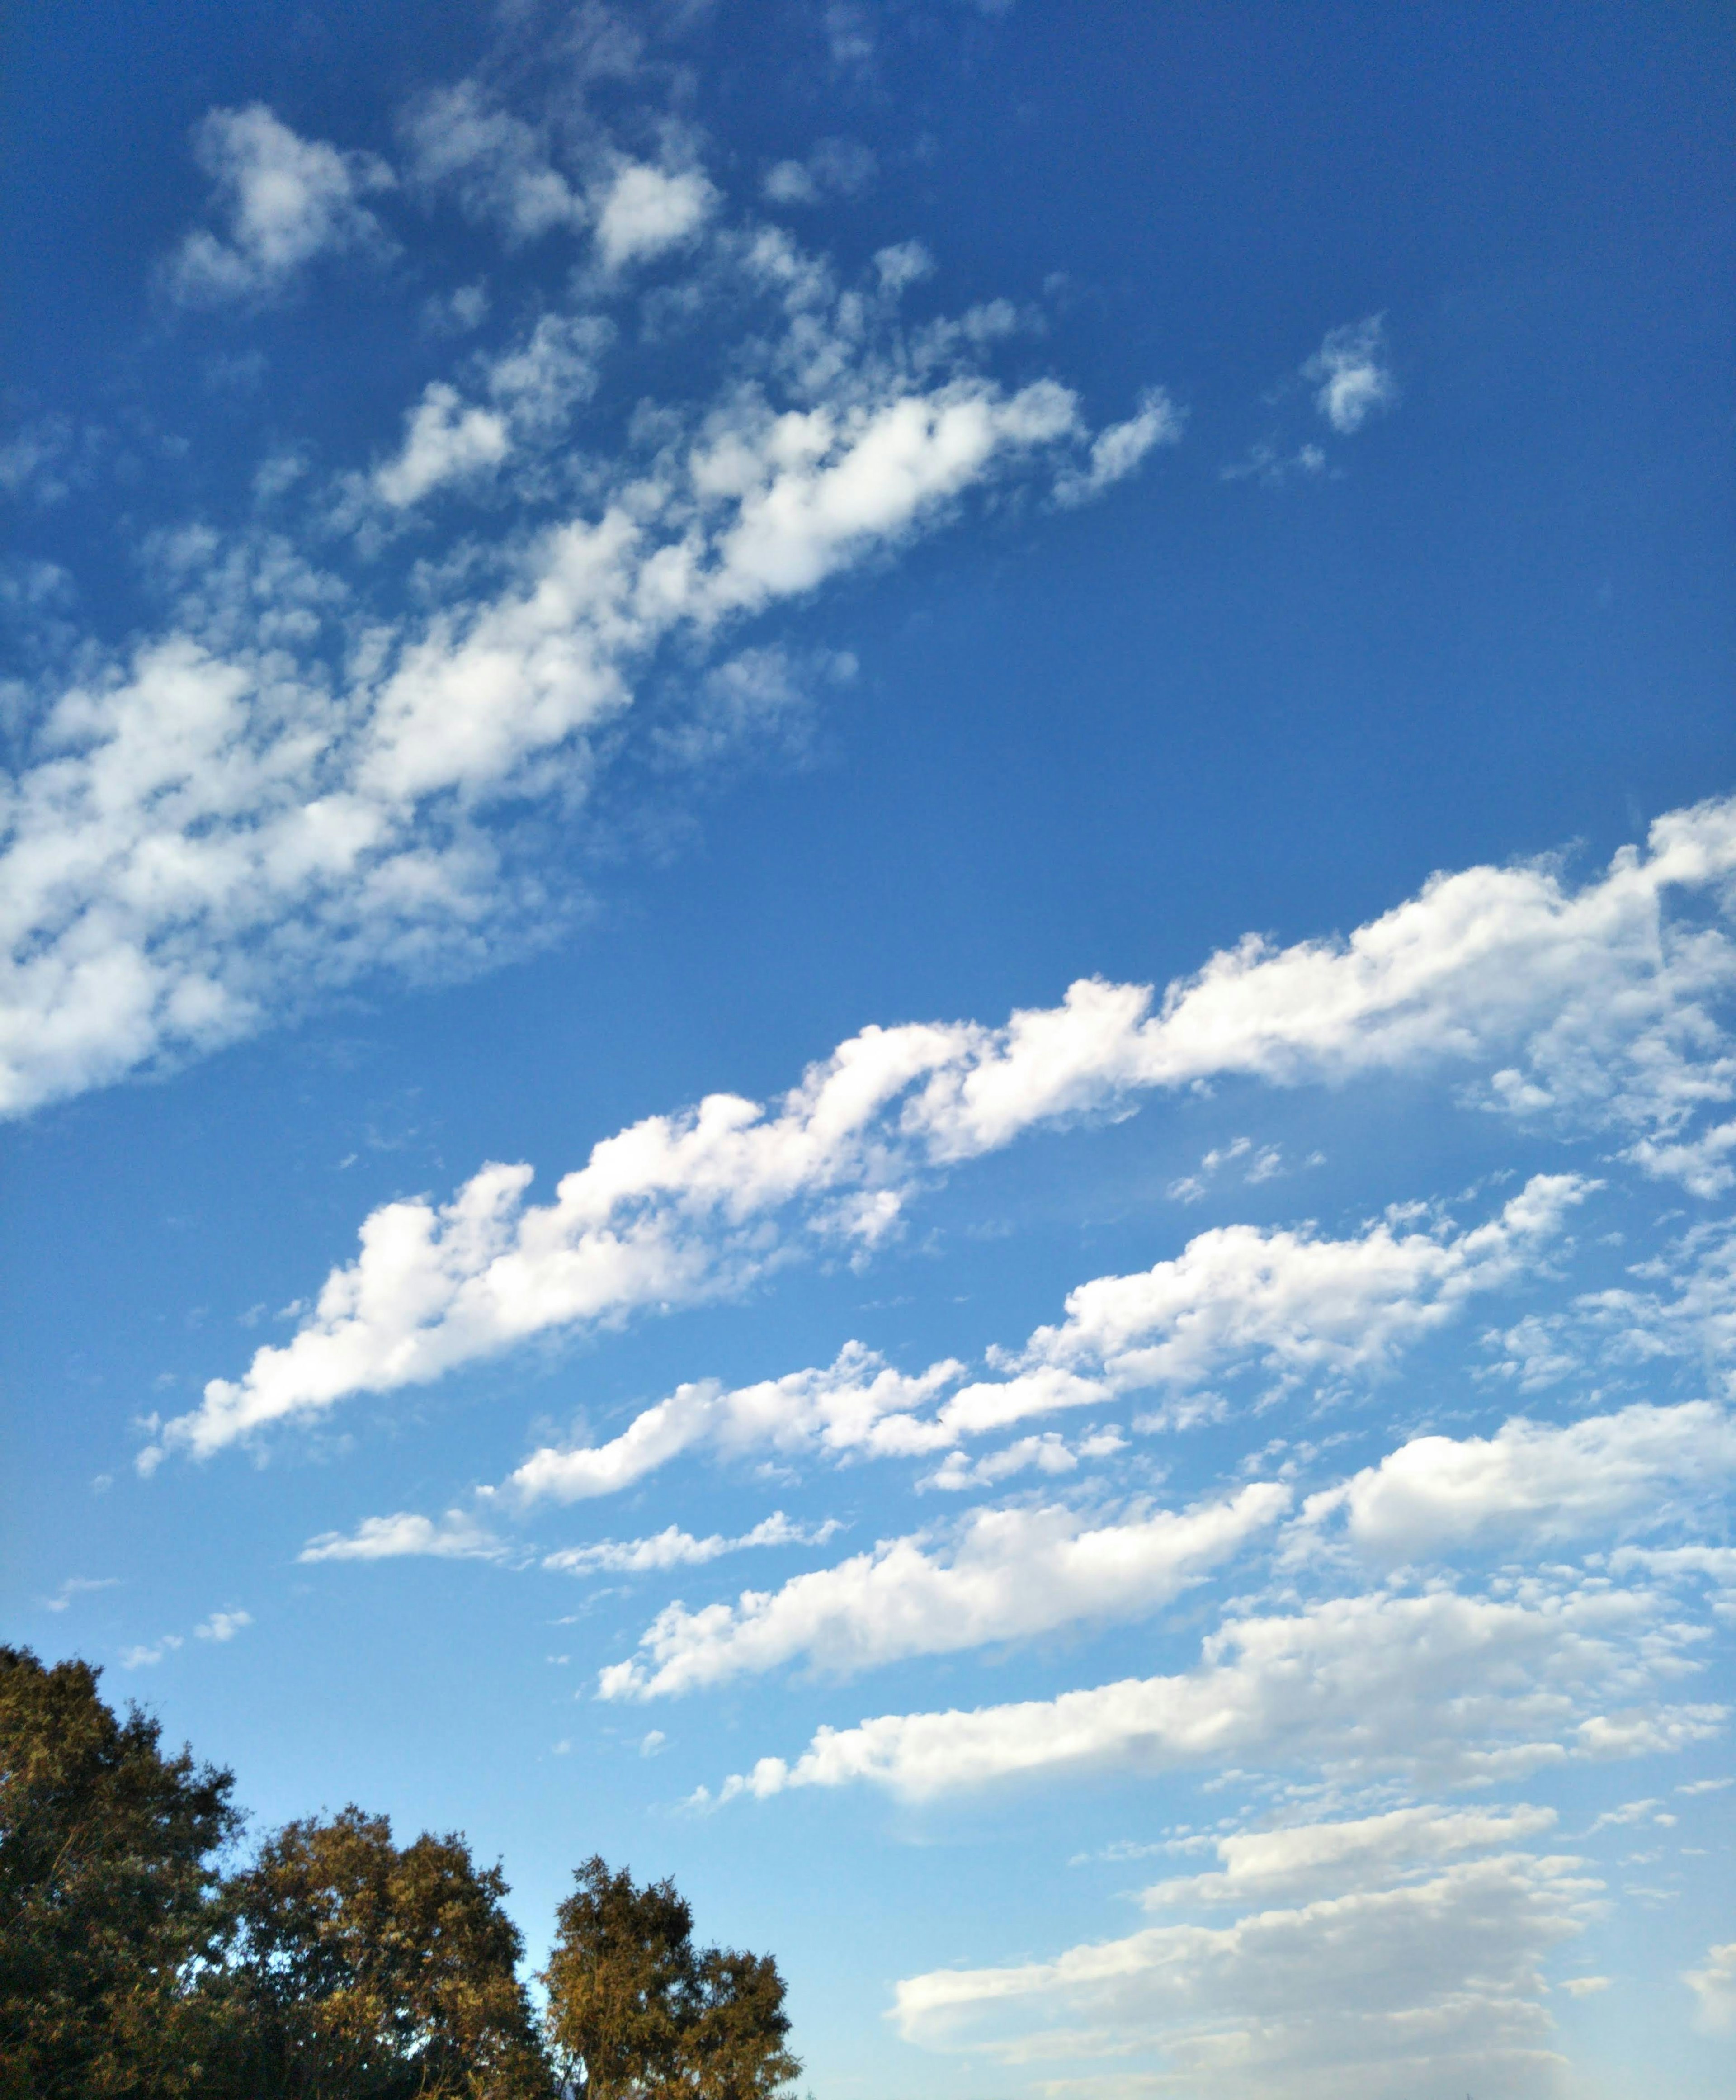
(636, 2009)
(142, 1958)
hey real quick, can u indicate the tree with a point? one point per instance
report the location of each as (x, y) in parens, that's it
(107, 1881)
(636, 2012)
(375, 1973)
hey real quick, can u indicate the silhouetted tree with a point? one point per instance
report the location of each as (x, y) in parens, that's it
(636, 2012)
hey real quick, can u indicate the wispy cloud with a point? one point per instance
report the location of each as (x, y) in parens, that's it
(1441, 1970)
(673, 1547)
(1350, 372)
(282, 202)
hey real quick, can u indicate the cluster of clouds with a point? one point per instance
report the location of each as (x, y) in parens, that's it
(1419, 1961)
(1589, 1008)
(1431, 1682)
(291, 785)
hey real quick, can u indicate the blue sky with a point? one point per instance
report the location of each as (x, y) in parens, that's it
(869, 893)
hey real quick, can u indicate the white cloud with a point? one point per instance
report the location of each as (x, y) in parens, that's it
(1308, 1859)
(1007, 1574)
(533, 389)
(223, 1625)
(444, 440)
(1532, 1481)
(1049, 1452)
(646, 210)
(837, 1408)
(455, 1536)
(1117, 450)
(1286, 1305)
(673, 1547)
(145, 1657)
(1468, 1688)
(1714, 1985)
(1605, 999)
(284, 200)
(1434, 1982)
(281, 792)
(1350, 370)
(494, 164)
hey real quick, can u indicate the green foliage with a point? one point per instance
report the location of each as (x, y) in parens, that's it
(107, 1883)
(636, 2012)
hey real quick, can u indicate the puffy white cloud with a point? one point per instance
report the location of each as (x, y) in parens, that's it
(1007, 1574)
(1605, 998)
(1285, 1303)
(1409, 1981)
(1714, 1985)
(1350, 370)
(284, 200)
(673, 1547)
(837, 1408)
(223, 1625)
(145, 1655)
(455, 1536)
(645, 210)
(1470, 1688)
(1532, 1481)
(444, 441)
(532, 388)
(1049, 1452)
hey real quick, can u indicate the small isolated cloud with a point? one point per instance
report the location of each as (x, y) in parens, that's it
(1119, 448)
(223, 1625)
(651, 1742)
(645, 210)
(1713, 1983)
(145, 1655)
(675, 1548)
(455, 1536)
(282, 201)
(1350, 372)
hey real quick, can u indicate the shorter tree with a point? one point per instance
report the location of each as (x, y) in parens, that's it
(373, 1972)
(636, 2012)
